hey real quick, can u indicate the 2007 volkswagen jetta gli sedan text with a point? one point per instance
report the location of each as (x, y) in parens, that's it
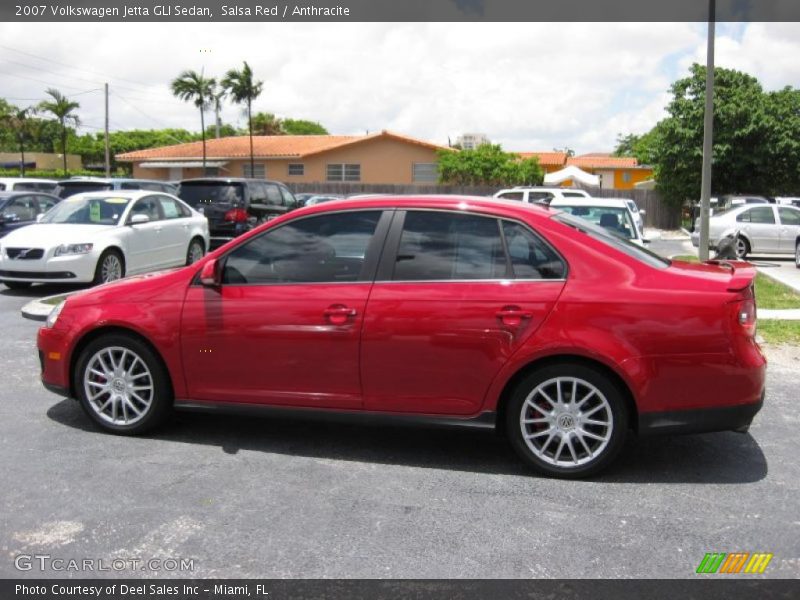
(455, 310)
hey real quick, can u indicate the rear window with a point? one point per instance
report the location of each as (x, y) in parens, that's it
(615, 220)
(68, 188)
(205, 193)
(616, 242)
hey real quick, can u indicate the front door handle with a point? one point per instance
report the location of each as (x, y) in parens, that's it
(512, 316)
(339, 313)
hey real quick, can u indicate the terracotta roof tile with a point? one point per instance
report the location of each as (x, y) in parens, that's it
(547, 159)
(602, 161)
(264, 146)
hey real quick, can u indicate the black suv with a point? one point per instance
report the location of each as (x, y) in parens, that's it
(235, 205)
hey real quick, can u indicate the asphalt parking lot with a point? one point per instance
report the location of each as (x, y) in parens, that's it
(244, 497)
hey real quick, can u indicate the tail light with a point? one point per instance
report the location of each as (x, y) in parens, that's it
(236, 215)
(745, 312)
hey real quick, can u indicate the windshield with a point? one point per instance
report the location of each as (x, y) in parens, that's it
(68, 188)
(204, 193)
(87, 211)
(602, 234)
(615, 220)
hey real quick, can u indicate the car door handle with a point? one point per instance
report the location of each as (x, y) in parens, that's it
(339, 313)
(513, 315)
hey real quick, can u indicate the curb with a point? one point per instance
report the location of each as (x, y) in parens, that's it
(37, 310)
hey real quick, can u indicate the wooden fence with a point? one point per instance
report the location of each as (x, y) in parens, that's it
(658, 214)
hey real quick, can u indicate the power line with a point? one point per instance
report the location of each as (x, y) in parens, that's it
(157, 122)
(38, 80)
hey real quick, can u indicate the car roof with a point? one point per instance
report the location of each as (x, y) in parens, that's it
(228, 180)
(130, 194)
(26, 180)
(599, 202)
(11, 193)
(107, 180)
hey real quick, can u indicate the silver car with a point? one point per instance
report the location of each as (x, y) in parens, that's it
(763, 229)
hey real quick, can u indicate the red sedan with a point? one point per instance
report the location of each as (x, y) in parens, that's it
(455, 310)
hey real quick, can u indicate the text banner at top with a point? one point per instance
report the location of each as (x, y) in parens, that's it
(400, 10)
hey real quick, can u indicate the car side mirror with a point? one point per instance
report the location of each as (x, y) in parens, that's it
(642, 212)
(211, 274)
(138, 219)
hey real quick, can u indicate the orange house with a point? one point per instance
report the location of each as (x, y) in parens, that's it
(549, 161)
(615, 172)
(378, 158)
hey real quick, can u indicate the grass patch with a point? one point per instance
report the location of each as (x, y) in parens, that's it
(686, 258)
(54, 300)
(779, 332)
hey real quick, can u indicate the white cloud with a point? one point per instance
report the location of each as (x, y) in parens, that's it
(527, 85)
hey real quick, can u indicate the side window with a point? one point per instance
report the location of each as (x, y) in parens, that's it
(512, 196)
(531, 257)
(146, 206)
(258, 192)
(442, 246)
(274, 195)
(327, 248)
(762, 214)
(540, 197)
(171, 208)
(133, 185)
(45, 203)
(743, 217)
(288, 199)
(789, 216)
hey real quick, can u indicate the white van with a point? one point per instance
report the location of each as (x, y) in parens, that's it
(27, 184)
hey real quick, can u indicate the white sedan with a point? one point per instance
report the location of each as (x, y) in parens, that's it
(613, 214)
(102, 236)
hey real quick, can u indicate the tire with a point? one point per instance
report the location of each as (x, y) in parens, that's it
(547, 435)
(797, 255)
(742, 248)
(106, 271)
(195, 252)
(122, 385)
(17, 285)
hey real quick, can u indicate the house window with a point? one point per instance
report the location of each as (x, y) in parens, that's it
(259, 170)
(626, 177)
(425, 172)
(297, 169)
(344, 172)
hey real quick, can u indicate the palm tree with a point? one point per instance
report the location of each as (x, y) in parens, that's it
(243, 89)
(17, 121)
(191, 86)
(62, 109)
(218, 95)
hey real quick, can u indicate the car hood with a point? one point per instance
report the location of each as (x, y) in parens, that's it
(162, 286)
(46, 235)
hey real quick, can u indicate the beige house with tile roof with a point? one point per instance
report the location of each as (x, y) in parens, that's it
(378, 158)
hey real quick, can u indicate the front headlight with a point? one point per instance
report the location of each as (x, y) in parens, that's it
(53, 316)
(73, 249)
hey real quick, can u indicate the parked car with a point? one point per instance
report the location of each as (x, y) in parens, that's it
(235, 205)
(300, 199)
(18, 209)
(541, 195)
(638, 214)
(452, 310)
(102, 236)
(763, 229)
(79, 185)
(24, 184)
(613, 214)
(319, 199)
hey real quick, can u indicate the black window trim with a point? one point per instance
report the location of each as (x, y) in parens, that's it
(372, 254)
(389, 257)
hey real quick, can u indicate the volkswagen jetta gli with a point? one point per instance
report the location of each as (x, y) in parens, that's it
(440, 309)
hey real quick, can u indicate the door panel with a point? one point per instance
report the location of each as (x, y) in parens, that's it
(790, 228)
(760, 226)
(175, 232)
(145, 240)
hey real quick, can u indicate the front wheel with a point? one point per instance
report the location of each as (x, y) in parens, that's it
(567, 420)
(110, 267)
(742, 248)
(797, 255)
(122, 385)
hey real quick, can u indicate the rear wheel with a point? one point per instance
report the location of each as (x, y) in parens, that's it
(567, 420)
(122, 385)
(17, 285)
(195, 252)
(742, 247)
(797, 255)
(110, 267)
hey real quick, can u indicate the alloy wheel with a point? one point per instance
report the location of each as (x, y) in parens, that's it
(195, 253)
(111, 269)
(118, 385)
(797, 256)
(741, 247)
(566, 422)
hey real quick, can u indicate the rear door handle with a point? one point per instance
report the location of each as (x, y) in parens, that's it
(339, 313)
(513, 315)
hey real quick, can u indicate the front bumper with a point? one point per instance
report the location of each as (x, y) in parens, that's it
(702, 420)
(71, 268)
(54, 359)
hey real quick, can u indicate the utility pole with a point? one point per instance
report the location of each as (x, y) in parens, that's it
(108, 150)
(708, 136)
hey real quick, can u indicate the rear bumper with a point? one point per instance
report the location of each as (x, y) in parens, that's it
(703, 420)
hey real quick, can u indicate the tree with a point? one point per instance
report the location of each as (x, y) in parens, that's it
(642, 147)
(267, 124)
(242, 89)
(218, 94)
(488, 164)
(302, 127)
(18, 121)
(62, 109)
(191, 86)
